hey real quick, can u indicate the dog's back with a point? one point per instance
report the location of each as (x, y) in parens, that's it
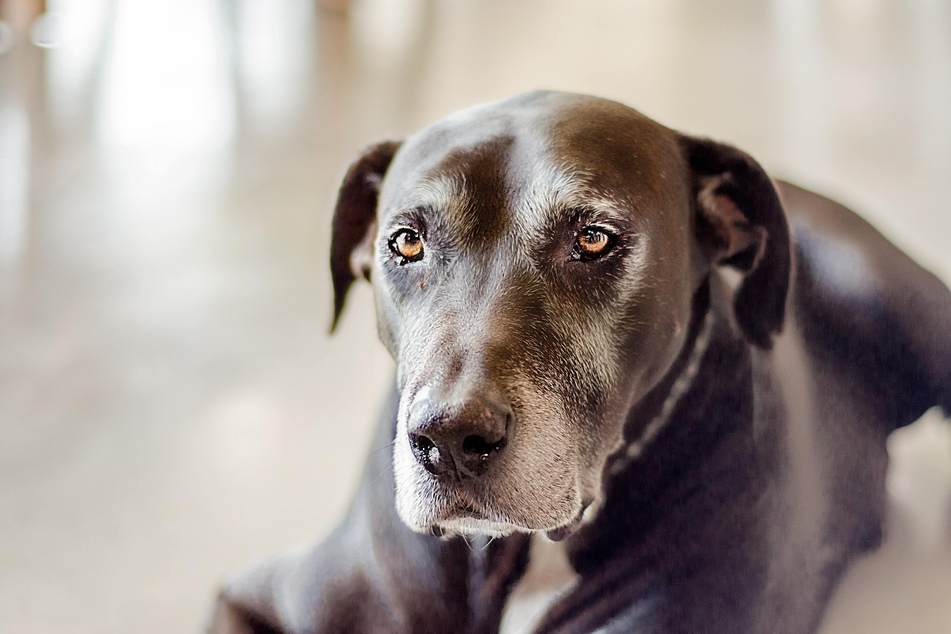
(866, 350)
(869, 310)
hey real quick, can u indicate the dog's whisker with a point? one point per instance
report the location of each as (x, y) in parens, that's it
(383, 448)
(380, 475)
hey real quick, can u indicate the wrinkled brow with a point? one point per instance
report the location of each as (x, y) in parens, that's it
(467, 202)
(443, 199)
(446, 192)
(532, 203)
(555, 195)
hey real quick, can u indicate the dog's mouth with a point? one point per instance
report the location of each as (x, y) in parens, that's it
(465, 518)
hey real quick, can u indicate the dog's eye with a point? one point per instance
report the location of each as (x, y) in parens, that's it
(593, 242)
(407, 244)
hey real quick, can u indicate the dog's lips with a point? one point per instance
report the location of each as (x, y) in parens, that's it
(469, 511)
(474, 528)
(465, 509)
(467, 518)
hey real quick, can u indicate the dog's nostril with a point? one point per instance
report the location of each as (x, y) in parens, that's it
(480, 446)
(422, 443)
(427, 453)
(424, 448)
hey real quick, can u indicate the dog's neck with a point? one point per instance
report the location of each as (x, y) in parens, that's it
(648, 418)
(696, 418)
(676, 384)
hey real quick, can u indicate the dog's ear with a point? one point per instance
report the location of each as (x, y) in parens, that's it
(351, 244)
(740, 223)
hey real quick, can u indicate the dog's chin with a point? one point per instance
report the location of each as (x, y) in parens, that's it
(446, 522)
(472, 527)
(469, 527)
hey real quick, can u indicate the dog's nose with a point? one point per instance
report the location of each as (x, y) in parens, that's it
(463, 438)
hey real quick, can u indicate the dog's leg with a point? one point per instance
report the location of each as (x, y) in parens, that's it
(374, 575)
(871, 308)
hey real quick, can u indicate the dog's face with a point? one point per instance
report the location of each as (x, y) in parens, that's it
(534, 263)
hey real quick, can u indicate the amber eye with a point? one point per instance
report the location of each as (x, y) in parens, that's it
(407, 244)
(593, 242)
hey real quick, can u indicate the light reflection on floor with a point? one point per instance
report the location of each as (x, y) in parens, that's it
(170, 406)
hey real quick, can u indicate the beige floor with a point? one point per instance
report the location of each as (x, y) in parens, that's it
(170, 405)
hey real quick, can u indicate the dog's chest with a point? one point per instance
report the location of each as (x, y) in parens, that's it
(548, 576)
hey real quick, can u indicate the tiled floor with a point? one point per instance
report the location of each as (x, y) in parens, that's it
(170, 405)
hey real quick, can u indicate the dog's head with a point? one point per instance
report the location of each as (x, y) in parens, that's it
(534, 263)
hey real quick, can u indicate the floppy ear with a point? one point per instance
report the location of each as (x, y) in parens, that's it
(351, 244)
(740, 223)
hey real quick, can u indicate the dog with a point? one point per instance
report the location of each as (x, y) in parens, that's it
(620, 348)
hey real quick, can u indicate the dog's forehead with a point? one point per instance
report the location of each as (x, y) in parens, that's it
(540, 150)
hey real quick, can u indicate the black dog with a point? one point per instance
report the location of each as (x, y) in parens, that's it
(574, 361)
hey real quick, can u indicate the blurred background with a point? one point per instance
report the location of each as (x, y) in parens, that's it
(171, 407)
